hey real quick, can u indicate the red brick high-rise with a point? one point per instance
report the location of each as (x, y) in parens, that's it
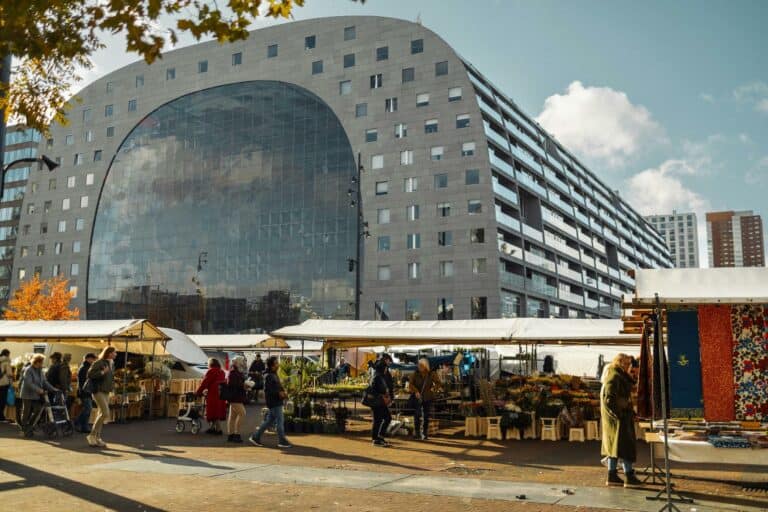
(735, 239)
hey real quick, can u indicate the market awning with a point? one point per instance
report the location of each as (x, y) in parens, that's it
(229, 341)
(701, 286)
(364, 333)
(183, 348)
(141, 335)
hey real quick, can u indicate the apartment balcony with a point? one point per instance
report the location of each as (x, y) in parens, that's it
(578, 197)
(532, 232)
(523, 136)
(557, 182)
(507, 221)
(511, 280)
(591, 303)
(495, 136)
(580, 216)
(527, 180)
(616, 311)
(477, 83)
(540, 261)
(610, 236)
(623, 260)
(570, 274)
(598, 245)
(627, 279)
(614, 273)
(490, 110)
(527, 158)
(584, 237)
(541, 287)
(562, 247)
(604, 287)
(599, 265)
(511, 250)
(590, 281)
(556, 221)
(589, 260)
(501, 164)
(573, 298)
(562, 204)
(509, 195)
(616, 292)
(593, 207)
(513, 115)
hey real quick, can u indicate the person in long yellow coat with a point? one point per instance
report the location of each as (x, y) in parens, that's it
(618, 422)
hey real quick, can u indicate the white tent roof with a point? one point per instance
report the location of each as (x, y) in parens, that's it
(228, 341)
(182, 347)
(702, 285)
(74, 330)
(489, 332)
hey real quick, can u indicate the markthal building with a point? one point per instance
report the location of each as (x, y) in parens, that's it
(219, 190)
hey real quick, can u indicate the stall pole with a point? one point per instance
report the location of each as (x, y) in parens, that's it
(123, 409)
(152, 379)
(659, 364)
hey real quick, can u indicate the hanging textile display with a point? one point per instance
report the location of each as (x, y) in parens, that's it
(684, 364)
(659, 363)
(750, 361)
(644, 385)
(716, 346)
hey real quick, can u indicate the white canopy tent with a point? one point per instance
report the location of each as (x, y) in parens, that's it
(363, 333)
(240, 342)
(701, 286)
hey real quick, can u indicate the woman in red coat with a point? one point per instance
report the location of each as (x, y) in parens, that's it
(215, 408)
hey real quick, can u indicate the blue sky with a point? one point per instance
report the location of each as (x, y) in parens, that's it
(666, 101)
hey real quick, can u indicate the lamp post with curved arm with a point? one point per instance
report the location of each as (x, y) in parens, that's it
(50, 164)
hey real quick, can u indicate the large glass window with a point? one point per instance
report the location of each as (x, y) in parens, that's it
(310, 42)
(444, 238)
(414, 270)
(350, 33)
(417, 46)
(260, 242)
(317, 67)
(413, 309)
(441, 68)
(384, 244)
(345, 87)
(361, 109)
(271, 51)
(409, 75)
(381, 311)
(413, 240)
(412, 212)
(445, 308)
(382, 53)
(479, 307)
(349, 60)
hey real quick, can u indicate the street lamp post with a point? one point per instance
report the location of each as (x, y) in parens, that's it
(50, 164)
(362, 231)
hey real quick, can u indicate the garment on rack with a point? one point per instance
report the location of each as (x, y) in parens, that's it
(716, 347)
(750, 360)
(644, 380)
(684, 364)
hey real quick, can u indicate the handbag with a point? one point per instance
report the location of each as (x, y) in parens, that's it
(10, 400)
(371, 398)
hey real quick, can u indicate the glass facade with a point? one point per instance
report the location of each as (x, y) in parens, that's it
(226, 210)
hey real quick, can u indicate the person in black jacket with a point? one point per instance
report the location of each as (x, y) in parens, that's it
(81, 422)
(387, 359)
(381, 414)
(275, 395)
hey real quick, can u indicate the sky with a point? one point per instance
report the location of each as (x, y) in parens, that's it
(667, 102)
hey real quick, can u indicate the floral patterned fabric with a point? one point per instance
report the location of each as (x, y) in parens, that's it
(750, 361)
(716, 347)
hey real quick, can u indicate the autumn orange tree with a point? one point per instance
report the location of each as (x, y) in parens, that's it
(42, 300)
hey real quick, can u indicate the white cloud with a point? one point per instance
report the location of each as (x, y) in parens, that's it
(707, 97)
(758, 175)
(755, 93)
(599, 123)
(744, 138)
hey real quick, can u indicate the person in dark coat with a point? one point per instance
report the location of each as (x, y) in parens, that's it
(236, 385)
(256, 372)
(215, 407)
(275, 395)
(381, 414)
(423, 385)
(33, 388)
(82, 420)
(618, 422)
(387, 359)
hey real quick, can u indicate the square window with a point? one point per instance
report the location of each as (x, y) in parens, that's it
(49, 143)
(417, 46)
(384, 273)
(381, 311)
(108, 111)
(406, 157)
(390, 105)
(87, 114)
(443, 209)
(454, 94)
(413, 309)
(41, 250)
(317, 67)
(474, 206)
(310, 42)
(97, 155)
(422, 100)
(414, 270)
(74, 269)
(110, 87)
(170, 74)
(409, 75)
(479, 307)
(479, 266)
(79, 224)
(75, 247)
(84, 202)
(377, 81)
(446, 268)
(237, 59)
(472, 177)
(441, 68)
(444, 238)
(65, 204)
(55, 269)
(345, 88)
(377, 162)
(47, 206)
(371, 135)
(384, 244)
(89, 178)
(468, 149)
(411, 185)
(382, 188)
(445, 309)
(361, 110)
(441, 181)
(202, 66)
(69, 139)
(88, 136)
(431, 126)
(401, 130)
(436, 153)
(412, 212)
(139, 81)
(22, 273)
(413, 241)
(349, 60)
(73, 291)
(71, 181)
(382, 216)
(382, 53)
(350, 33)
(78, 159)
(62, 227)
(462, 121)
(110, 131)
(57, 247)
(271, 51)
(30, 209)
(52, 184)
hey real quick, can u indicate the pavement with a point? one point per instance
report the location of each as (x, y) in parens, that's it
(147, 466)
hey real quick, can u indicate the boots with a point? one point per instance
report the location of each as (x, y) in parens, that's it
(631, 481)
(614, 480)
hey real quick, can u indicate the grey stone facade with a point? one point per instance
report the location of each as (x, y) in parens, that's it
(586, 280)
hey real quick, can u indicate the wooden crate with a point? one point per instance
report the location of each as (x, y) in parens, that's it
(177, 386)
